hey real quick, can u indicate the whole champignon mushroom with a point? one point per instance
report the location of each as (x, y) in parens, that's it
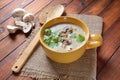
(28, 17)
(13, 29)
(18, 12)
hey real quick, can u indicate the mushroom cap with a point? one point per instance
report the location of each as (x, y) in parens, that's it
(27, 27)
(28, 17)
(18, 12)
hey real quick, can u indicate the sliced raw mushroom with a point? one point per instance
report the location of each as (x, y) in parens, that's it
(12, 29)
(20, 23)
(27, 27)
(32, 22)
(28, 17)
(18, 12)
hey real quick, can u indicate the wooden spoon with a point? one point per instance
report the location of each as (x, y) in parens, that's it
(56, 12)
(50, 12)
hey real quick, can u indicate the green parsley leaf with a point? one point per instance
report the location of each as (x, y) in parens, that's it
(53, 44)
(80, 38)
(56, 39)
(48, 31)
(56, 33)
(73, 35)
(47, 39)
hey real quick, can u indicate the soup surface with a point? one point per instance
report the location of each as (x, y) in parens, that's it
(64, 37)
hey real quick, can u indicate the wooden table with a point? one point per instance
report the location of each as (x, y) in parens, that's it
(108, 66)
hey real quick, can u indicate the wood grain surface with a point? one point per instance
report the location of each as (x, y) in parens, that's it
(108, 64)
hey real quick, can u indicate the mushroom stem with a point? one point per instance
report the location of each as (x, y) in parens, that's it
(12, 29)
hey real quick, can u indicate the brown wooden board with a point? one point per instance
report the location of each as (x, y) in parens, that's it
(108, 53)
(111, 42)
(3, 3)
(111, 71)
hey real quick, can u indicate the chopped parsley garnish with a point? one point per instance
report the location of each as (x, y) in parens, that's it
(80, 38)
(48, 31)
(53, 44)
(73, 35)
(51, 38)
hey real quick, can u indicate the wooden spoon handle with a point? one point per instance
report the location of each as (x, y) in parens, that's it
(25, 54)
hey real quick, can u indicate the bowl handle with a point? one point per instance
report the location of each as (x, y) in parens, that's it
(95, 40)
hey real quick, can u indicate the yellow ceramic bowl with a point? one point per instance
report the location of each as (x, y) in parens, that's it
(91, 41)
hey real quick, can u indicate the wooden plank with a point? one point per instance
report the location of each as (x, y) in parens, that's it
(107, 9)
(7, 63)
(111, 71)
(111, 14)
(9, 44)
(101, 8)
(19, 38)
(96, 7)
(3, 26)
(5, 12)
(3, 3)
(111, 42)
(63, 2)
(77, 6)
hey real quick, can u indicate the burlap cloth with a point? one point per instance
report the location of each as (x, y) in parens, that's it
(41, 67)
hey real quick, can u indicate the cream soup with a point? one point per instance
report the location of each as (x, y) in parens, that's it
(64, 37)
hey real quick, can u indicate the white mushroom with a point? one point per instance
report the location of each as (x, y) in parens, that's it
(32, 22)
(18, 12)
(28, 17)
(17, 18)
(12, 29)
(23, 20)
(27, 27)
(20, 23)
